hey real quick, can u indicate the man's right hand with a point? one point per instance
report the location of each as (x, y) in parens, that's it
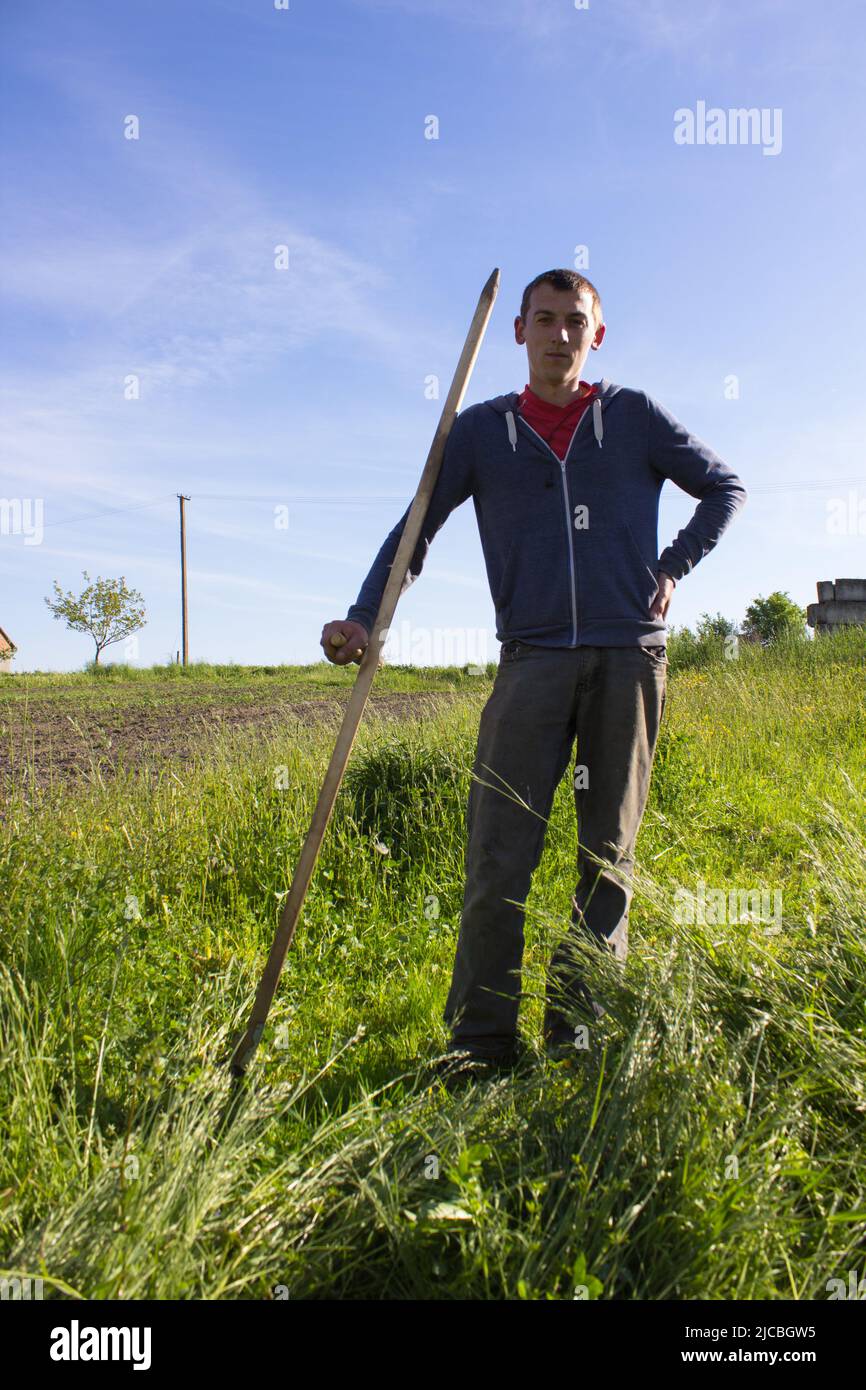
(351, 649)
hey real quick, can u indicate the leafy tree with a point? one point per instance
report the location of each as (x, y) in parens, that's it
(108, 610)
(773, 617)
(718, 627)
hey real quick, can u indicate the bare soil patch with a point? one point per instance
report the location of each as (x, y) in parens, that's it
(49, 740)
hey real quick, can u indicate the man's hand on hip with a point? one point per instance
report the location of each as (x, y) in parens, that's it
(662, 600)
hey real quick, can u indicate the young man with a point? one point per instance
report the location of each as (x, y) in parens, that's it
(565, 478)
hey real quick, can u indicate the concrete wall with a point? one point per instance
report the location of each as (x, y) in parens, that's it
(840, 602)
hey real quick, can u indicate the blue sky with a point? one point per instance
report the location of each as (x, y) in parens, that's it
(154, 258)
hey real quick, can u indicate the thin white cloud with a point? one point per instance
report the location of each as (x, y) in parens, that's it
(188, 298)
(183, 313)
(456, 577)
(101, 561)
(628, 32)
(196, 305)
(541, 18)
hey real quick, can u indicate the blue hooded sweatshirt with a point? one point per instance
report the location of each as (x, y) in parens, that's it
(571, 546)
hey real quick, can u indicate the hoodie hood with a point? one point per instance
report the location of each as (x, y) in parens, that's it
(508, 405)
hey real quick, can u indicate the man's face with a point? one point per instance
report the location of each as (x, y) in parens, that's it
(558, 332)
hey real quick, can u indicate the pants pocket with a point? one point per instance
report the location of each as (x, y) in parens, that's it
(656, 656)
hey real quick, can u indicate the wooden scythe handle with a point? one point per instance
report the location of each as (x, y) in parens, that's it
(246, 1046)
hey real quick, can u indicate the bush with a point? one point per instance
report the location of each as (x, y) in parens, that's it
(400, 789)
(777, 616)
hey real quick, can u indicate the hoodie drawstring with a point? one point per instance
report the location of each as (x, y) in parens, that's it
(596, 420)
(598, 428)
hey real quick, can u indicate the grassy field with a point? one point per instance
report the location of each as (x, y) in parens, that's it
(710, 1144)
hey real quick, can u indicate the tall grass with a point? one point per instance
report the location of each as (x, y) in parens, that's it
(709, 1143)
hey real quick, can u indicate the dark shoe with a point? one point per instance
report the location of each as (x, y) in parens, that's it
(458, 1067)
(558, 1031)
(461, 1064)
(560, 1020)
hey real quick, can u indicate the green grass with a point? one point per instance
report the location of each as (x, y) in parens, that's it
(119, 684)
(710, 1144)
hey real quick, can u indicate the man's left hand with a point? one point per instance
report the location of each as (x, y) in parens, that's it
(662, 600)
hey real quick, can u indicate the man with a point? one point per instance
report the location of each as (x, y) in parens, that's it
(565, 478)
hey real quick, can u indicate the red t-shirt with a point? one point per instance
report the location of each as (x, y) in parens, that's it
(555, 423)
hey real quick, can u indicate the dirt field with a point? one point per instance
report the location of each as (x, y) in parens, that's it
(46, 739)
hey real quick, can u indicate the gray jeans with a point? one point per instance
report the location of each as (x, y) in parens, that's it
(611, 700)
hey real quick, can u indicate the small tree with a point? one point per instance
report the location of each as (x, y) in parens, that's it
(108, 610)
(718, 627)
(776, 616)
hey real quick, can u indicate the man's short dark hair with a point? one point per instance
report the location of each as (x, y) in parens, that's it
(563, 280)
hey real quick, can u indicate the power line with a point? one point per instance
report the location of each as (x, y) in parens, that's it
(803, 485)
(819, 486)
(113, 511)
(225, 497)
(326, 499)
(296, 497)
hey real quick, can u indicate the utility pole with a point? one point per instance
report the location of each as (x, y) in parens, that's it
(185, 639)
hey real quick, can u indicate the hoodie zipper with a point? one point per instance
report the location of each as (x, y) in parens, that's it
(568, 516)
